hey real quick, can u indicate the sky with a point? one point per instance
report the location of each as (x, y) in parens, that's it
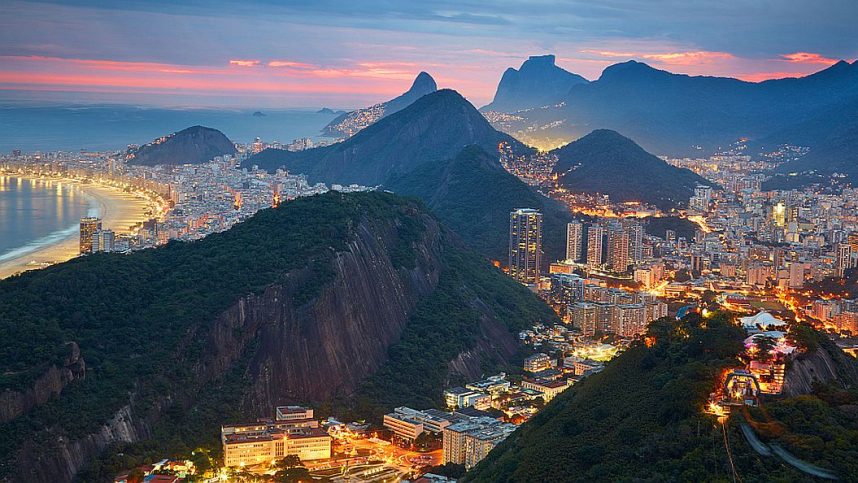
(347, 54)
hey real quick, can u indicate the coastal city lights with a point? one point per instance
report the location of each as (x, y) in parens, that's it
(428, 242)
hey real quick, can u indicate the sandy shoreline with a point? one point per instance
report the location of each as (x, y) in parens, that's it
(119, 211)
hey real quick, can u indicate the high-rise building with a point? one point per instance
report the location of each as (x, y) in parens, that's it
(103, 241)
(525, 244)
(636, 243)
(594, 246)
(618, 249)
(574, 239)
(843, 258)
(88, 226)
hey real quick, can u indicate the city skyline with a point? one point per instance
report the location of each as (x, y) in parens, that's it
(158, 54)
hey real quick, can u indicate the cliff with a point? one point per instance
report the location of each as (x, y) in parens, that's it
(825, 364)
(538, 82)
(50, 384)
(300, 304)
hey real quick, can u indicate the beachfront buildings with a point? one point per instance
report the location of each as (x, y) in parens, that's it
(88, 227)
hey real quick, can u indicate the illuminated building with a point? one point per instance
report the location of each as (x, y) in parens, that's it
(796, 275)
(293, 413)
(525, 245)
(103, 241)
(468, 442)
(407, 424)
(853, 241)
(537, 362)
(618, 250)
(844, 258)
(262, 443)
(460, 397)
(594, 246)
(574, 240)
(636, 243)
(779, 213)
(583, 317)
(549, 389)
(88, 227)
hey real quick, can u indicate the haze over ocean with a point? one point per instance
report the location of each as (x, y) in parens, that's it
(106, 127)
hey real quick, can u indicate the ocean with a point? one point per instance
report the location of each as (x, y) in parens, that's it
(38, 213)
(108, 127)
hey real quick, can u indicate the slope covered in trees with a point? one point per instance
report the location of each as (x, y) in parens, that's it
(642, 419)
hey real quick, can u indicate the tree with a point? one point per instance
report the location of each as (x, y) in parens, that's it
(764, 345)
(424, 440)
(291, 469)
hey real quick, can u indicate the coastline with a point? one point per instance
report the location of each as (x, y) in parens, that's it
(119, 211)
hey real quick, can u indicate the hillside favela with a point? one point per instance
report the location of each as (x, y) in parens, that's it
(435, 242)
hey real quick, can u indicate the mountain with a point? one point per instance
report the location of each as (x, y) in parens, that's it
(194, 145)
(328, 110)
(435, 127)
(607, 162)
(473, 195)
(348, 123)
(833, 141)
(325, 298)
(678, 114)
(538, 82)
(641, 418)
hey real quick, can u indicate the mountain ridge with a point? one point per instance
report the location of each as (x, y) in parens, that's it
(539, 81)
(332, 284)
(605, 161)
(435, 127)
(422, 85)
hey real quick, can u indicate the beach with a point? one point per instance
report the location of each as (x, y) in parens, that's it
(119, 211)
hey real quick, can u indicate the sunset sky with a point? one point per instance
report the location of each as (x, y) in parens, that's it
(349, 54)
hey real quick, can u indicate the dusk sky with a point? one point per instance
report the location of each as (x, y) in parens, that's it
(349, 54)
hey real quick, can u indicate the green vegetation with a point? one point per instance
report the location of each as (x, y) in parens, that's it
(141, 320)
(142, 323)
(473, 195)
(606, 162)
(434, 128)
(640, 419)
(821, 428)
(444, 325)
(194, 145)
(659, 226)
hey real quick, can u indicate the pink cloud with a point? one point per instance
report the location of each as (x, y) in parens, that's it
(292, 64)
(764, 76)
(807, 58)
(668, 58)
(244, 63)
(689, 58)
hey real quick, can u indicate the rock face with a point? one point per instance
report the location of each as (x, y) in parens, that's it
(14, 404)
(315, 352)
(825, 365)
(304, 353)
(314, 329)
(194, 145)
(536, 83)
